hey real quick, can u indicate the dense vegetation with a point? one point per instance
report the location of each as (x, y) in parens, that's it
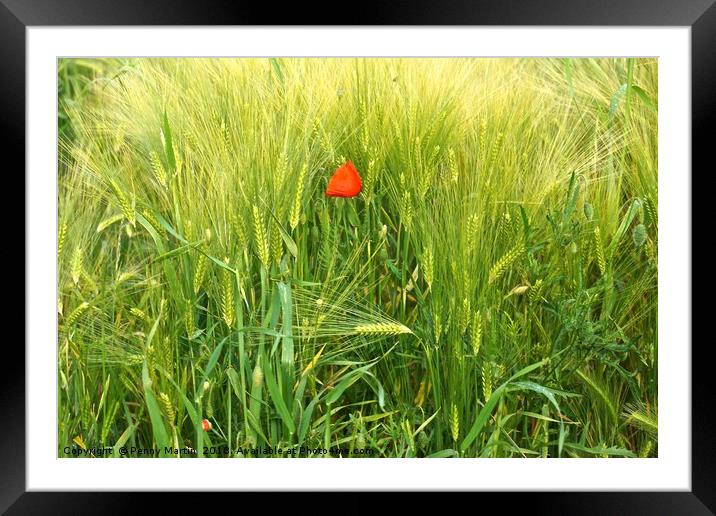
(491, 292)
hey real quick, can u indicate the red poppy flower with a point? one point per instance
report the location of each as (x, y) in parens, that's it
(206, 425)
(345, 182)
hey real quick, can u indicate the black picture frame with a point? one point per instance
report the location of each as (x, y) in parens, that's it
(17, 15)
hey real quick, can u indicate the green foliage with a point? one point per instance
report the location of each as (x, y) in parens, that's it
(492, 292)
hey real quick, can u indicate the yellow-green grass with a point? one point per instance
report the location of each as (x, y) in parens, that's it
(492, 292)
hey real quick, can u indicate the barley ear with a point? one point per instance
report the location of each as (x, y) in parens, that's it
(76, 313)
(454, 423)
(599, 250)
(504, 263)
(452, 165)
(124, 203)
(472, 231)
(158, 169)
(202, 265)
(227, 297)
(261, 238)
(428, 271)
(189, 322)
(381, 329)
(61, 236)
(298, 198)
(167, 408)
(76, 265)
(486, 380)
(476, 332)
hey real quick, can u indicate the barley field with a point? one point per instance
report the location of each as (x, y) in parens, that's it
(483, 284)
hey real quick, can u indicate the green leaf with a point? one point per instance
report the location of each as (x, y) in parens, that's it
(306, 420)
(275, 393)
(109, 221)
(625, 223)
(600, 450)
(213, 359)
(287, 326)
(155, 415)
(484, 414)
(443, 454)
(425, 423)
(348, 380)
(234, 381)
(129, 432)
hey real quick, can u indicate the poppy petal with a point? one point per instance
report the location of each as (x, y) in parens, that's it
(345, 182)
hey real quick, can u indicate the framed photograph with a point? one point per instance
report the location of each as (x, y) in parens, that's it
(441, 251)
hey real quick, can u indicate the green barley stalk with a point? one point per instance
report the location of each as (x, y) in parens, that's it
(504, 263)
(486, 380)
(370, 178)
(189, 321)
(476, 332)
(452, 165)
(282, 168)
(76, 265)
(165, 354)
(124, 202)
(464, 315)
(139, 314)
(437, 323)
(166, 406)
(225, 137)
(645, 452)
(76, 313)
(202, 265)
(209, 403)
(472, 232)
(428, 266)
(261, 238)
(276, 243)
(397, 132)
(545, 432)
(365, 134)
(599, 250)
(504, 227)
(257, 383)
(651, 211)
(108, 420)
(455, 423)
(407, 210)
(189, 230)
(324, 141)
(496, 146)
(298, 198)
(650, 249)
(61, 236)
(377, 329)
(178, 160)
(158, 169)
(227, 296)
(154, 222)
(237, 224)
(535, 293)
